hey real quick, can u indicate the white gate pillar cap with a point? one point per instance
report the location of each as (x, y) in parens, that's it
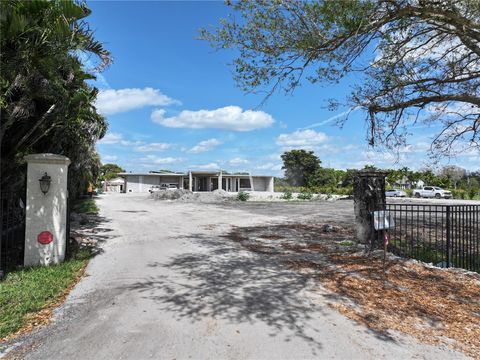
(47, 159)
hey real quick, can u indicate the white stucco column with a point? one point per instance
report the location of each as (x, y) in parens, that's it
(220, 181)
(270, 186)
(190, 181)
(46, 214)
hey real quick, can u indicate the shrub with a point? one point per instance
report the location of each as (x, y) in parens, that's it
(243, 196)
(409, 192)
(458, 193)
(287, 195)
(472, 192)
(305, 196)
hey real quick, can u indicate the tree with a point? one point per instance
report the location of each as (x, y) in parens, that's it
(300, 167)
(45, 101)
(110, 171)
(419, 59)
(328, 177)
(453, 174)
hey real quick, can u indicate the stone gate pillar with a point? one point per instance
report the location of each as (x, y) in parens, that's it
(368, 196)
(46, 211)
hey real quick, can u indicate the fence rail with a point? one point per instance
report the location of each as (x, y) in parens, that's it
(12, 230)
(445, 235)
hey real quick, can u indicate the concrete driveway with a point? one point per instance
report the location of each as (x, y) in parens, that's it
(168, 285)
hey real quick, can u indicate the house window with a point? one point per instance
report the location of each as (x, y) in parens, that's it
(245, 183)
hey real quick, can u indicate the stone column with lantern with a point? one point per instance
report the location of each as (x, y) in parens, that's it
(46, 209)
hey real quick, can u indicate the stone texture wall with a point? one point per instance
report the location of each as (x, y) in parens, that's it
(368, 196)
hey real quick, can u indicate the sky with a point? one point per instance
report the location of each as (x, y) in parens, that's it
(171, 102)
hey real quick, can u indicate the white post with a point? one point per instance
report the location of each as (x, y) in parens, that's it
(251, 181)
(270, 187)
(140, 183)
(190, 181)
(220, 181)
(46, 214)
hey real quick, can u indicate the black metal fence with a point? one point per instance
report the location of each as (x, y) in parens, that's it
(445, 235)
(12, 226)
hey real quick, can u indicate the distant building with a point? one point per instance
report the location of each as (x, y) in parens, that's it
(405, 183)
(114, 185)
(197, 181)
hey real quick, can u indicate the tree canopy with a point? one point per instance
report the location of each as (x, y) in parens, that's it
(418, 60)
(300, 167)
(46, 103)
(110, 171)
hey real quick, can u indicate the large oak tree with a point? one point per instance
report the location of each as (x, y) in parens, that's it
(418, 60)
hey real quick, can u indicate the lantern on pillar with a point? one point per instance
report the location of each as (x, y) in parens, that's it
(45, 181)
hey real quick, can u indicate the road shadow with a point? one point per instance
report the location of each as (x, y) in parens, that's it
(224, 281)
(89, 234)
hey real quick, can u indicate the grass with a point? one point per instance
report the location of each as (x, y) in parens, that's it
(27, 295)
(86, 206)
(422, 253)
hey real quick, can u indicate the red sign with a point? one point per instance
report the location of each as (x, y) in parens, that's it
(386, 238)
(45, 237)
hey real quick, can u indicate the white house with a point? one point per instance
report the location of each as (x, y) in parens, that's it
(198, 181)
(114, 185)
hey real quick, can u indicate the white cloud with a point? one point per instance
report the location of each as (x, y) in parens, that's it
(109, 157)
(111, 101)
(117, 139)
(153, 147)
(302, 139)
(209, 166)
(238, 161)
(205, 145)
(152, 159)
(228, 118)
(269, 166)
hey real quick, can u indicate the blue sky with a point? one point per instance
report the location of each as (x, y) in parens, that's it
(171, 102)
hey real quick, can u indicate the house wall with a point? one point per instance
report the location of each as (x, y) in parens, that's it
(132, 183)
(143, 183)
(263, 183)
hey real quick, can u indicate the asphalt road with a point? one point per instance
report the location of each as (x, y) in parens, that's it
(169, 285)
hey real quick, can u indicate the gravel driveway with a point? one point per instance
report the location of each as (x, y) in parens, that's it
(169, 285)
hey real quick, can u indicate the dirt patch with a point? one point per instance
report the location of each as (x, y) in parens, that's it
(437, 306)
(182, 195)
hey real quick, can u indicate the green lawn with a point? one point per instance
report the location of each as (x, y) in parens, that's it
(86, 206)
(25, 292)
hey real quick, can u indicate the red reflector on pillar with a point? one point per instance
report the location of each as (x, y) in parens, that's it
(45, 237)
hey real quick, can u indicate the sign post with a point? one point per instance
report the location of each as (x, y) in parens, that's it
(382, 221)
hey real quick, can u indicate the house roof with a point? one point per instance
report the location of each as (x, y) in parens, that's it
(150, 174)
(205, 173)
(116, 181)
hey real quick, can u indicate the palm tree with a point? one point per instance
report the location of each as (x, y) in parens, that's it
(45, 102)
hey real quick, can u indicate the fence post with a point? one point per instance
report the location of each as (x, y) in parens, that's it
(46, 209)
(448, 237)
(368, 196)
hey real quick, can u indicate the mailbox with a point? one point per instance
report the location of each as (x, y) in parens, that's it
(383, 220)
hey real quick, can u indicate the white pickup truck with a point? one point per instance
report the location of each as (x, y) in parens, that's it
(432, 192)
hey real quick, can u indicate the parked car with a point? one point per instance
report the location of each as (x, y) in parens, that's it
(395, 193)
(168, 186)
(153, 188)
(432, 192)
